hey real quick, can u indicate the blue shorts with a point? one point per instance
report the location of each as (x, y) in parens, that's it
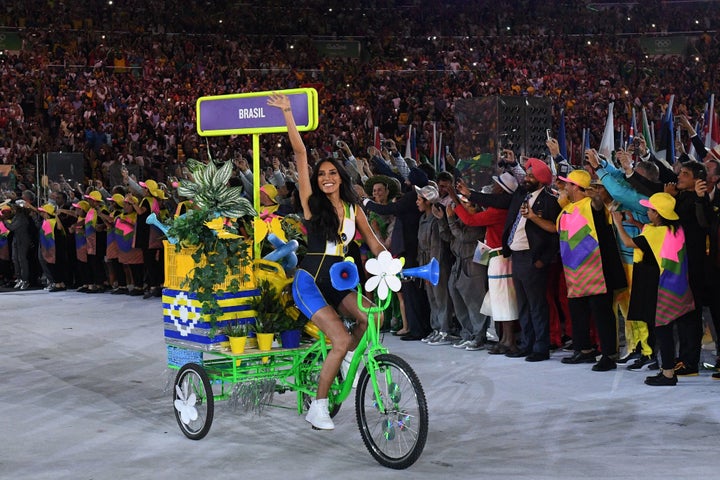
(311, 293)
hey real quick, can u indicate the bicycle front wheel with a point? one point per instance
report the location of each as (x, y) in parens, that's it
(396, 436)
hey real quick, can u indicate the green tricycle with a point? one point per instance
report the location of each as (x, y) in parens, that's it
(390, 402)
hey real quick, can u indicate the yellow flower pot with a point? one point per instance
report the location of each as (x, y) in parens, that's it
(237, 346)
(264, 341)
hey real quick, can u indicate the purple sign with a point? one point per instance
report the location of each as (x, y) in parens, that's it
(250, 113)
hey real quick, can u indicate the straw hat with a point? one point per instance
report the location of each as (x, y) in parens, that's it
(581, 178)
(663, 203)
(428, 192)
(153, 188)
(94, 195)
(507, 182)
(48, 208)
(117, 198)
(82, 204)
(392, 185)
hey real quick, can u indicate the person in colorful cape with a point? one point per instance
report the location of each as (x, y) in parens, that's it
(693, 209)
(5, 265)
(661, 290)
(149, 238)
(593, 270)
(96, 238)
(52, 246)
(129, 256)
(116, 272)
(332, 215)
(614, 188)
(83, 275)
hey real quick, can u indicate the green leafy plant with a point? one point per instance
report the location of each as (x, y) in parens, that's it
(209, 190)
(237, 329)
(220, 251)
(216, 255)
(272, 310)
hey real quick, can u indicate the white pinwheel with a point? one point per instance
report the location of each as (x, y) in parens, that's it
(385, 271)
(185, 404)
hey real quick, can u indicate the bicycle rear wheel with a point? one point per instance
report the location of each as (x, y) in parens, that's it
(395, 437)
(193, 401)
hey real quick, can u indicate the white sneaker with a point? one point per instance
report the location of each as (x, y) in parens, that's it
(319, 416)
(345, 367)
(440, 339)
(461, 344)
(430, 336)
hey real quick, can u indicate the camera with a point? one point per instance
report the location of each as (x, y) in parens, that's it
(636, 143)
(701, 174)
(547, 132)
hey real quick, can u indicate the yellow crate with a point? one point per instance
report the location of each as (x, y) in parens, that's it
(179, 266)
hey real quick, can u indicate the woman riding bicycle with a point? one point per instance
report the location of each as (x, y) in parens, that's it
(332, 215)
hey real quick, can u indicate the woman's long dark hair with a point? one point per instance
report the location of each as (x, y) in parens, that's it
(671, 224)
(324, 218)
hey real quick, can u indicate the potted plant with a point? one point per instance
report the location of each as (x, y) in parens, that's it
(269, 313)
(213, 234)
(237, 333)
(290, 322)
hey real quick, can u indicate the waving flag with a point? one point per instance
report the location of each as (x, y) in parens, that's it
(647, 135)
(607, 144)
(408, 147)
(666, 141)
(562, 138)
(711, 130)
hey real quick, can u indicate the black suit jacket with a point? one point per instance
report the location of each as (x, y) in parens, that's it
(544, 246)
(404, 241)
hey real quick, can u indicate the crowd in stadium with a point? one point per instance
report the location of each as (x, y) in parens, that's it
(120, 85)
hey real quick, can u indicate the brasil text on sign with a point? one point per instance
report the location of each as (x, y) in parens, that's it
(249, 113)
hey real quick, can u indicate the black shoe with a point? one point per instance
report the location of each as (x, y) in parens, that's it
(604, 365)
(580, 357)
(537, 357)
(56, 289)
(518, 354)
(630, 356)
(716, 376)
(661, 380)
(642, 363)
(148, 294)
(411, 338)
(119, 291)
(682, 370)
(135, 292)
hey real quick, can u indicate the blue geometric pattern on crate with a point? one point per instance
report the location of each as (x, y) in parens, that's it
(184, 320)
(177, 357)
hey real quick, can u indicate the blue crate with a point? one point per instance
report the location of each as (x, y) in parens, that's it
(177, 357)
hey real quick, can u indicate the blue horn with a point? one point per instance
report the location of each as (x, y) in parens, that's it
(430, 271)
(284, 253)
(153, 220)
(344, 276)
